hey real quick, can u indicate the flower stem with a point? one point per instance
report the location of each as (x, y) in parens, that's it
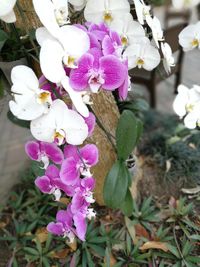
(99, 123)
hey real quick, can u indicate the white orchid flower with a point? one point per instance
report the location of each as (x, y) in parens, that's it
(128, 29)
(189, 38)
(59, 125)
(30, 102)
(6, 11)
(142, 11)
(52, 14)
(157, 31)
(187, 103)
(184, 4)
(97, 11)
(78, 4)
(142, 55)
(168, 60)
(55, 56)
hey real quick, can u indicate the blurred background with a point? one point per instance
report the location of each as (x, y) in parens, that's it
(155, 87)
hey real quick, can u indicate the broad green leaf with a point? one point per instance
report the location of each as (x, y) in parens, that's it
(116, 185)
(126, 134)
(3, 38)
(15, 120)
(127, 206)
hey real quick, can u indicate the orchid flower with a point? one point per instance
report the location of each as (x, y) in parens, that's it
(97, 72)
(112, 45)
(6, 11)
(187, 103)
(63, 225)
(105, 10)
(77, 163)
(30, 102)
(61, 48)
(157, 31)
(78, 4)
(59, 125)
(128, 29)
(51, 183)
(83, 195)
(142, 55)
(189, 38)
(44, 152)
(184, 4)
(142, 11)
(168, 60)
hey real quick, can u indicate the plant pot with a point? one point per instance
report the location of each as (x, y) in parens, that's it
(7, 67)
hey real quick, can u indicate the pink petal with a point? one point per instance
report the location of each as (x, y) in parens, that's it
(114, 72)
(69, 172)
(79, 77)
(44, 184)
(70, 151)
(90, 154)
(53, 152)
(107, 46)
(88, 183)
(91, 122)
(81, 225)
(55, 228)
(32, 149)
(52, 172)
(64, 216)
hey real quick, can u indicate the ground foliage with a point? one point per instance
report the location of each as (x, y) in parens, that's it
(173, 147)
(154, 234)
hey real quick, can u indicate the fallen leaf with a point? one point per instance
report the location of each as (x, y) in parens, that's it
(62, 254)
(154, 245)
(42, 234)
(112, 260)
(64, 200)
(73, 245)
(191, 191)
(2, 225)
(140, 231)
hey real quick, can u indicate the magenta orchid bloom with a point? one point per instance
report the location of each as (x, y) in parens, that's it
(44, 152)
(63, 225)
(97, 72)
(123, 89)
(51, 183)
(83, 196)
(112, 45)
(91, 122)
(77, 163)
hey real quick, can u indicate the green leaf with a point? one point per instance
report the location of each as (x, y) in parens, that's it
(127, 206)
(116, 185)
(126, 134)
(3, 38)
(31, 251)
(21, 123)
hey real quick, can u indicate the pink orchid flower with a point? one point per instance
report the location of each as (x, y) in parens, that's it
(83, 196)
(96, 71)
(112, 45)
(51, 183)
(77, 163)
(44, 152)
(63, 225)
